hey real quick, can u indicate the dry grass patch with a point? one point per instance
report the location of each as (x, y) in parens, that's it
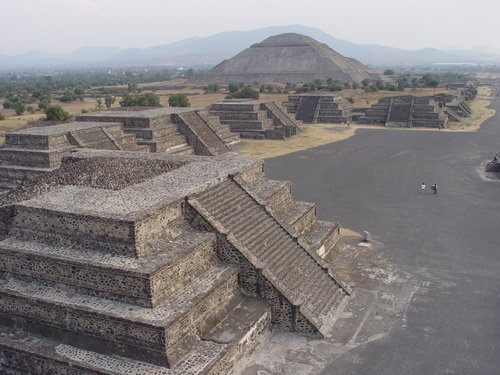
(312, 136)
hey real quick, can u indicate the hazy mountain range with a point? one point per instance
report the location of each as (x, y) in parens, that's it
(211, 50)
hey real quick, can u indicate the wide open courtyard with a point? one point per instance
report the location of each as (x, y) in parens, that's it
(439, 294)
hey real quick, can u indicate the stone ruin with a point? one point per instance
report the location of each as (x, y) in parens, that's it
(33, 151)
(494, 164)
(30, 152)
(172, 129)
(152, 263)
(256, 118)
(319, 108)
(454, 105)
(406, 111)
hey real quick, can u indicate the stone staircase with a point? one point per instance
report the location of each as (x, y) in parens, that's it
(222, 130)
(274, 251)
(254, 119)
(279, 116)
(153, 128)
(199, 134)
(307, 110)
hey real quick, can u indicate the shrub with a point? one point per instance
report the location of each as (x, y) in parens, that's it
(179, 100)
(2, 117)
(350, 99)
(55, 112)
(246, 92)
(388, 72)
(144, 100)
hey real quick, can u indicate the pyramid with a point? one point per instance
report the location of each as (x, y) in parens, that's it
(286, 58)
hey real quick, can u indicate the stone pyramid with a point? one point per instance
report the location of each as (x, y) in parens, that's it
(287, 58)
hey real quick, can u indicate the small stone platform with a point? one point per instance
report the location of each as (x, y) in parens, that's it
(406, 112)
(255, 118)
(178, 269)
(33, 151)
(312, 108)
(173, 129)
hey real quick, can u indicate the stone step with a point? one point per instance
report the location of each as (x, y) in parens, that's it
(250, 317)
(322, 236)
(121, 235)
(276, 194)
(183, 149)
(29, 354)
(164, 334)
(164, 143)
(34, 158)
(154, 133)
(299, 215)
(21, 173)
(146, 281)
(241, 125)
(220, 348)
(34, 141)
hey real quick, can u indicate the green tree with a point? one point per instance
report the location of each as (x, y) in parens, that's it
(179, 100)
(350, 99)
(213, 87)
(109, 101)
(98, 103)
(233, 87)
(19, 107)
(388, 72)
(144, 100)
(365, 82)
(2, 117)
(55, 112)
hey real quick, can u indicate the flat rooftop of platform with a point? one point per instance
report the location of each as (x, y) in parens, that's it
(61, 128)
(139, 200)
(242, 101)
(317, 94)
(140, 112)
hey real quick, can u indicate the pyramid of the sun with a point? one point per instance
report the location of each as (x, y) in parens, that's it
(287, 58)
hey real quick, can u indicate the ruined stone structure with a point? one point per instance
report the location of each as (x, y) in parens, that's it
(319, 108)
(406, 111)
(174, 270)
(255, 118)
(494, 164)
(454, 104)
(286, 58)
(172, 130)
(33, 151)
(467, 89)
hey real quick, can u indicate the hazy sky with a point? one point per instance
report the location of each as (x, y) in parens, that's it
(65, 25)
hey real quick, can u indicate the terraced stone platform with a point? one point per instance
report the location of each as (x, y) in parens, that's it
(406, 111)
(312, 108)
(177, 271)
(34, 151)
(172, 129)
(255, 118)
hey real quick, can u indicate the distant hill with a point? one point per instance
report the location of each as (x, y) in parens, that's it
(211, 50)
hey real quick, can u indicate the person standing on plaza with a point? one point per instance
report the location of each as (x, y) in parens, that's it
(423, 187)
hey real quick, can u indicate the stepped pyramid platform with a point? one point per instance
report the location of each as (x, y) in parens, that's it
(319, 108)
(255, 118)
(173, 130)
(178, 269)
(288, 57)
(406, 112)
(33, 151)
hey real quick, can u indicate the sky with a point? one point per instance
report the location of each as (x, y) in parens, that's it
(63, 26)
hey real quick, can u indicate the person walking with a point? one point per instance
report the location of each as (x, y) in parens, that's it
(423, 187)
(434, 188)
